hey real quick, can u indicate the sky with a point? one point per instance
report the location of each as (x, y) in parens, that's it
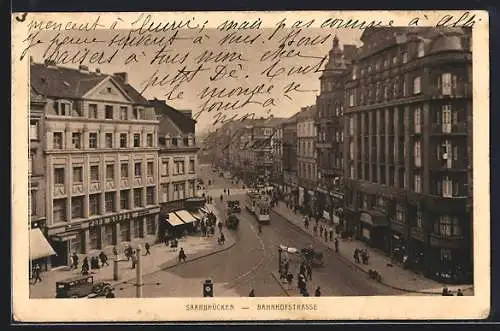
(264, 95)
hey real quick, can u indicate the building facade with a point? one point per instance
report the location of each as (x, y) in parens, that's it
(289, 142)
(177, 160)
(407, 156)
(330, 139)
(306, 159)
(100, 160)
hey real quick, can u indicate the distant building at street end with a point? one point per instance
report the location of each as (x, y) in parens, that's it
(330, 138)
(306, 159)
(408, 157)
(98, 153)
(177, 159)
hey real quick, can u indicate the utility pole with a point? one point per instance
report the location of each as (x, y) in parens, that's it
(138, 267)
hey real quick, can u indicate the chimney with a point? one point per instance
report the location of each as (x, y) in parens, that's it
(123, 76)
(83, 68)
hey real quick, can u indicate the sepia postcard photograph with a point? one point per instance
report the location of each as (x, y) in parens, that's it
(232, 166)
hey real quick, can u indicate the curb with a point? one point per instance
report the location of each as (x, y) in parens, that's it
(173, 265)
(357, 266)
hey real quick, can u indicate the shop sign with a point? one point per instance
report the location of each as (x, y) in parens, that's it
(109, 219)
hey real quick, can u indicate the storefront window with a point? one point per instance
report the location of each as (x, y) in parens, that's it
(138, 228)
(108, 235)
(95, 237)
(150, 225)
(76, 244)
(125, 231)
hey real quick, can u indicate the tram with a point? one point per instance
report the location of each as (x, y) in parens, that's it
(259, 206)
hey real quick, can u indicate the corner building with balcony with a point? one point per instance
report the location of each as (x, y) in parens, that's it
(100, 159)
(408, 148)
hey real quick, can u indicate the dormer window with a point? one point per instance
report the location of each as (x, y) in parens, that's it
(62, 108)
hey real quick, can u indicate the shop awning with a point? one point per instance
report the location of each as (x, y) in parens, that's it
(374, 218)
(39, 246)
(185, 216)
(174, 220)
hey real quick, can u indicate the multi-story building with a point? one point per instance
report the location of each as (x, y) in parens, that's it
(329, 123)
(289, 142)
(407, 147)
(100, 159)
(306, 159)
(177, 163)
(40, 249)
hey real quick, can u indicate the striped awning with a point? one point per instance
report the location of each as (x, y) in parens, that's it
(39, 246)
(174, 220)
(185, 216)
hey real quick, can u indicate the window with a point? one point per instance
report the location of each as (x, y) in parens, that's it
(149, 139)
(447, 187)
(448, 226)
(109, 140)
(137, 197)
(150, 195)
(92, 140)
(417, 183)
(94, 204)
(405, 57)
(92, 110)
(123, 113)
(416, 85)
(108, 112)
(179, 167)
(124, 199)
(110, 172)
(33, 130)
(123, 140)
(59, 210)
(77, 174)
(58, 140)
(417, 154)
(77, 207)
(446, 83)
(137, 169)
(94, 173)
(137, 140)
(164, 168)
(164, 192)
(76, 140)
(124, 170)
(417, 120)
(150, 169)
(109, 202)
(421, 49)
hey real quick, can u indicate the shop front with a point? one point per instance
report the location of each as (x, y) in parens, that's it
(99, 232)
(374, 228)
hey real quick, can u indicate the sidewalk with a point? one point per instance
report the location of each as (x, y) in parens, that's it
(393, 276)
(161, 258)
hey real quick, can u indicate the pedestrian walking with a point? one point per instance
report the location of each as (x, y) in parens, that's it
(74, 258)
(317, 293)
(336, 242)
(36, 273)
(134, 259)
(104, 258)
(85, 266)
(147, 247)
(182, 255)
(309, 271)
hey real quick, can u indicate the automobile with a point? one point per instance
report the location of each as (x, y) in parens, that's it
(233, 206)
(232, 222)
(313, 257)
